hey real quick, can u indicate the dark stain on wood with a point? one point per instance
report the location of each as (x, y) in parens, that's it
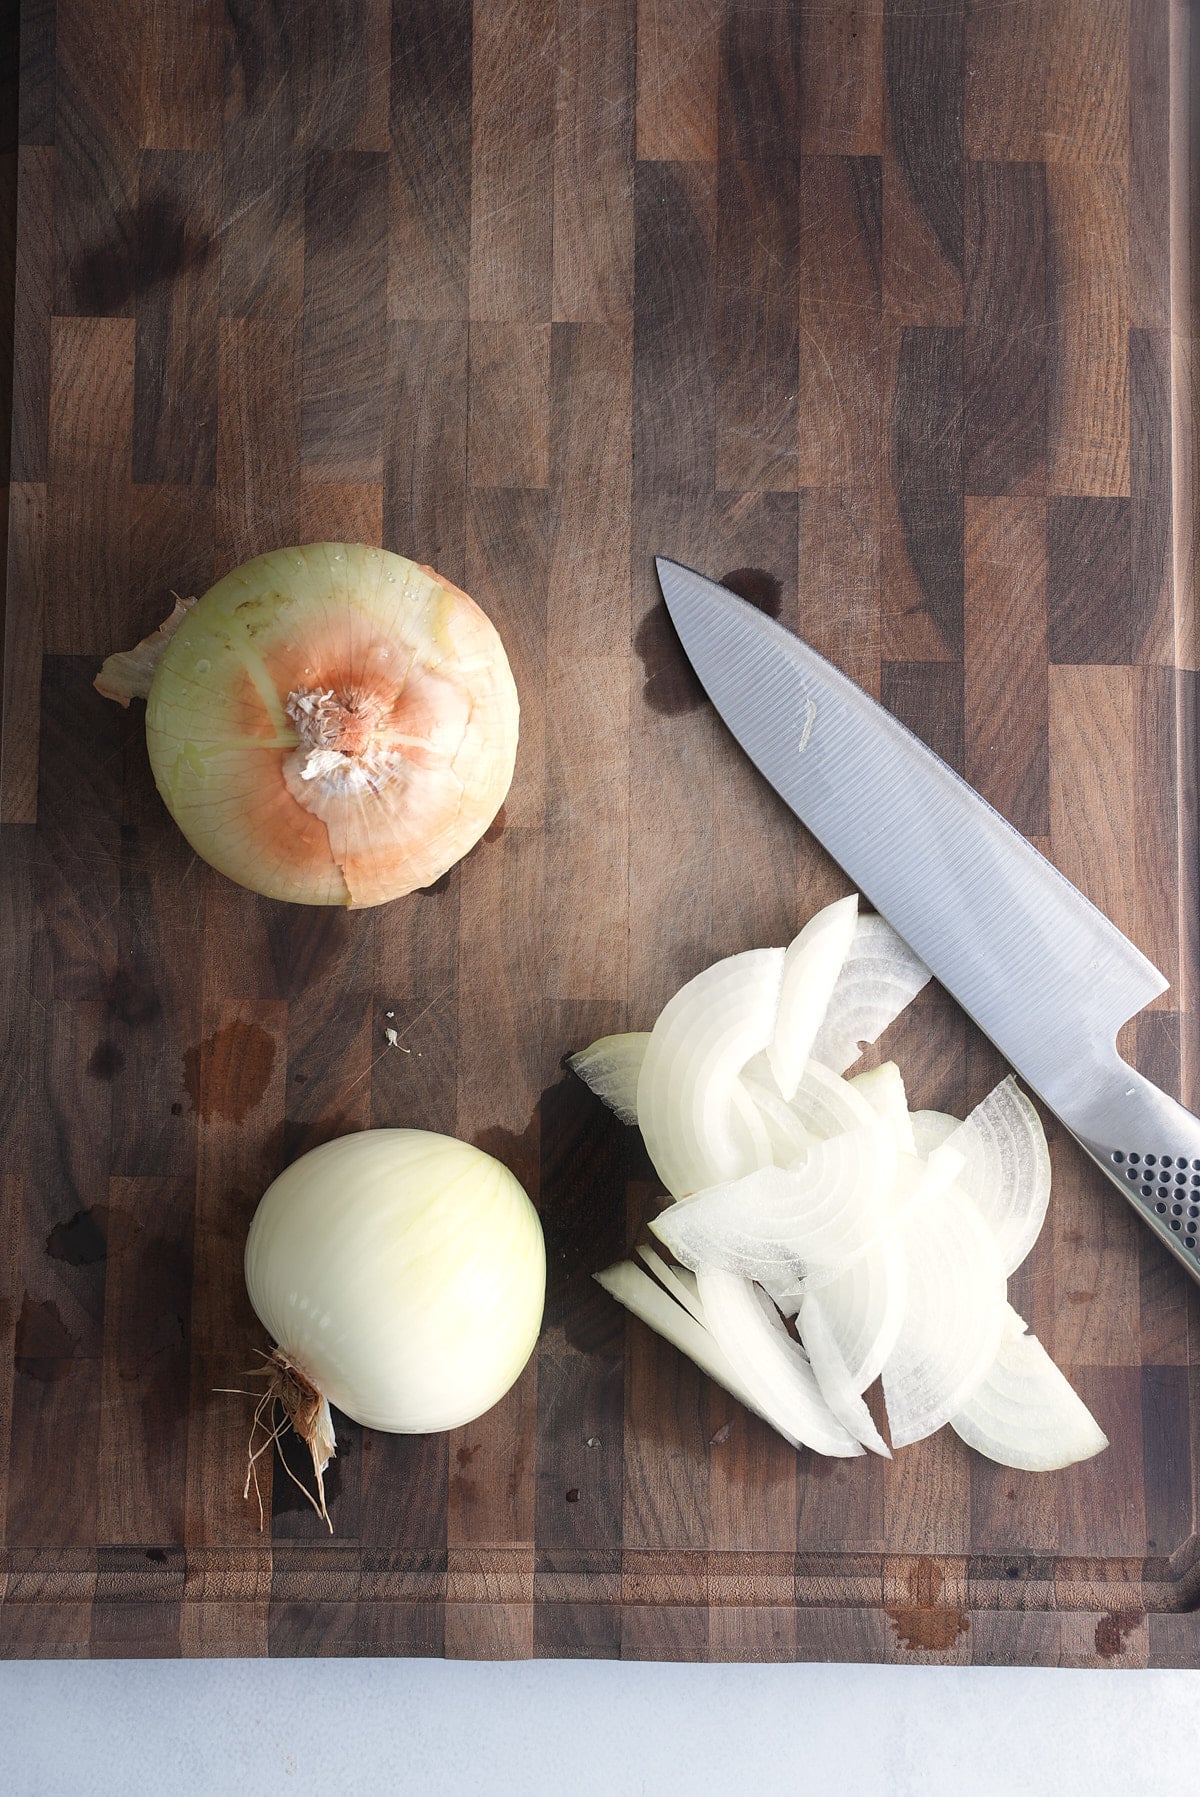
(929, 1631)
(1114, 1629)
(105, 1061)
(227, 1073)
(82, 1240)
(43, 1345)
(757, 586)
(671, 686)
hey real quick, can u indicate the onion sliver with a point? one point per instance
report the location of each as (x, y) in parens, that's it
(773, 1367)
(677, 1280)
(690, 1121)
(610, 1067)
(881, 975)
(653, 1306)
(838, 1387)
(953, 1320)
(883, 1089)
(1025, 1413)
(863, 1308)
(331, 725)
(786, 1135)
(824, 1104)
(1007, 1172)
(811, 967)
(930, 1129)
(776, 1224)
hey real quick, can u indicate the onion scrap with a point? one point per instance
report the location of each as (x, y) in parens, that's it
(888, 1235)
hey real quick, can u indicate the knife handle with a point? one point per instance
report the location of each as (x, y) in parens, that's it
(1149, 1146)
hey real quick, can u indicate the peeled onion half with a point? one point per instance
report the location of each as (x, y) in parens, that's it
(332, 725)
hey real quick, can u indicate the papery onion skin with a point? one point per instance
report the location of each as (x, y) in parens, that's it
(403, 1273)
(397, 671)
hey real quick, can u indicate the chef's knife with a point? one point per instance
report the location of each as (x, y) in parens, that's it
(1038, 967)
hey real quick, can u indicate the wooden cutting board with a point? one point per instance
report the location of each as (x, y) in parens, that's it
(868, 307)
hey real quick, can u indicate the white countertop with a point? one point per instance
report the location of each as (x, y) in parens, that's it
(590, 1729)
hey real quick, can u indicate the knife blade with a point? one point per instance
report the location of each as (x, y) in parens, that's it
(1038, 967)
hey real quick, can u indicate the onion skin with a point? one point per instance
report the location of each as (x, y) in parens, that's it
(333, 725)
(403, 1274)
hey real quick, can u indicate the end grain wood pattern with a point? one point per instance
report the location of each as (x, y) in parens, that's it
(881, 310)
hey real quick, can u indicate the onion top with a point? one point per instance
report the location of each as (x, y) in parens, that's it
(331, 725)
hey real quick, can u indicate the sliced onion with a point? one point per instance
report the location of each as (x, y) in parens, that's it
(954, 1318)
(774, 1368)
(824, 1104)
(834, 1378)
(786, 1134)
(639, 1294)
(693, 1129)
(810, 972)
(611, 1066)
(1025, 1413)
(863, 1308)
(880, 976)
(677, 1280)
(777, 1223)
(883, 1089)
(1007, 1174)
(930, 1129)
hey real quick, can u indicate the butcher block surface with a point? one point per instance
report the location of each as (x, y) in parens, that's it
(879, 309)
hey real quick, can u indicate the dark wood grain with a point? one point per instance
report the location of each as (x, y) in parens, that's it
(883, 312)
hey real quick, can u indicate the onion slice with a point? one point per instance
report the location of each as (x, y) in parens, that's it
(883, 1089)
(1007, 1172)
(777, 1223)
(651, 1304)
(954, 1318)
(1025, 1413)
(610, 1066)
(863, 1308)
(930, 1129)
(811, 967)
(880, 976)
(837, 1384)
(694, 1130)
(774, 1368)
(677, 1280)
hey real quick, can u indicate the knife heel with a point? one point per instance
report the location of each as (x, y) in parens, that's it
(1149, 1147)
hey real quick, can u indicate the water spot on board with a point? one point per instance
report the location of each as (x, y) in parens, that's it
(671, 686)
(82, 1240)
(227, 1073)
(929, 1631)
(758, 587)
(465, 1455)
(132, 1001)
(44, 1345)
(105, 1061)
(1114, 1629)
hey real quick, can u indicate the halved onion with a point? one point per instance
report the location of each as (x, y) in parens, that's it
(1025, 1413)
(811, 967)
(1007, 1172)
(611, 1067)
(695, 1132)
(953, 1320)
(880, 976)
(774, 1368)
(331, 725)
(837, 1384)
(776, 1224)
